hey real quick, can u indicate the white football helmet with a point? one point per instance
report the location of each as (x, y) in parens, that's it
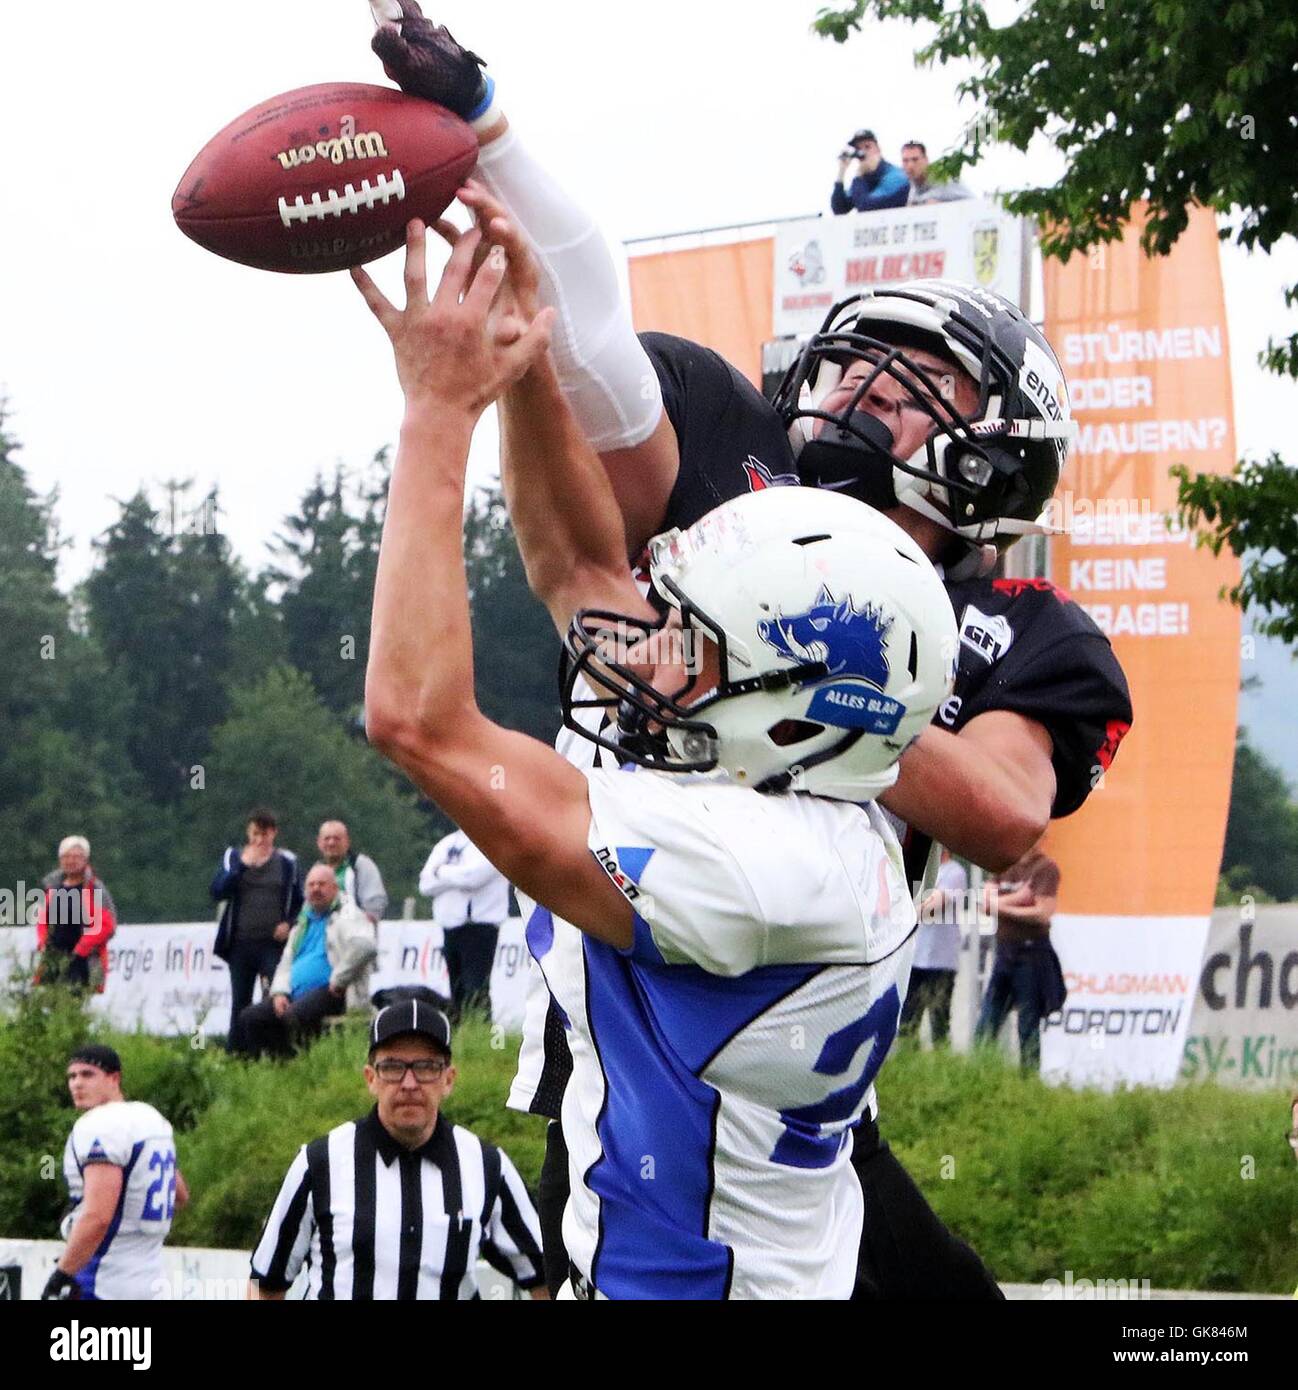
(836, 639)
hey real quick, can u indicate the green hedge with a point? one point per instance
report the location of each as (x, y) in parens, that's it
(1138, 1185)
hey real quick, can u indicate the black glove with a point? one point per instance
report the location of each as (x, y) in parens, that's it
(61, 1286)
(424, 60)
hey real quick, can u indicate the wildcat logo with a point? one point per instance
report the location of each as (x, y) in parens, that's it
(808, 264)
(849, 641)
(349, 145)
(760, 476)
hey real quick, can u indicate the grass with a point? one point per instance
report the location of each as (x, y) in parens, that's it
(1193, 1187)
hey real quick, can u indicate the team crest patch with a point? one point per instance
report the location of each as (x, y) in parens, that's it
(989, 636)
(808, 264)
(848, 640)
(986, 252)
(760, 476)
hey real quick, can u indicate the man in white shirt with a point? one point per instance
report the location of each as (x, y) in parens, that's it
(120, 1167)
(937, 952)
(470, 900)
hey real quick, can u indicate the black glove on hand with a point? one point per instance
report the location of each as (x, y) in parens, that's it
(424, 60)
(61, 1286)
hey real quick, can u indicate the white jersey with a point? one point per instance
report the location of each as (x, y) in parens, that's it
(134, 1137)
(720, 1064)
(543, 1066)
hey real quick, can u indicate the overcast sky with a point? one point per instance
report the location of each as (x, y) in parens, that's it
(129, 354)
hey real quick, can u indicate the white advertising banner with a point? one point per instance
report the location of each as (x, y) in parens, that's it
(164, 978)
(1244, 1025)
(189, 1273)
(820, 260)
(1131, 987)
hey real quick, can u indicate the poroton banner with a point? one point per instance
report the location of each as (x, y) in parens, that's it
(1144, 348)
(164, 978)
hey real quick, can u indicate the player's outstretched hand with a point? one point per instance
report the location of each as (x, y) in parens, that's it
(518, 301)
(453, 352)
(424, 60)
(498, 226)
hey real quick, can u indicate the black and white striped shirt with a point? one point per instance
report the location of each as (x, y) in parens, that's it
(374, 1220)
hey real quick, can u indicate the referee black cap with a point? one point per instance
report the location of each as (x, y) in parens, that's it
(411, 1016)
(98, 1055)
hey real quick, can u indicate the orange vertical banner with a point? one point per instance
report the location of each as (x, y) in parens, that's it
(1144, 346)
(719, 296)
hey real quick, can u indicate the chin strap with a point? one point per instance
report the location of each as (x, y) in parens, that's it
(977, 562)
(782, 781)
(802, 674)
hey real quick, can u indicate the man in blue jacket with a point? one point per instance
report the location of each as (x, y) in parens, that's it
(259, 885)
(877, 184)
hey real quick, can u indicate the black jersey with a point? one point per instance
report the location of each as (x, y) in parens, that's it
(1026, 647)
(731, 440)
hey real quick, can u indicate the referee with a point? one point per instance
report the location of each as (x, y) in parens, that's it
(400, 1204)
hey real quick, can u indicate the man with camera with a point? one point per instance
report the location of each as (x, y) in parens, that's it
(877, 184)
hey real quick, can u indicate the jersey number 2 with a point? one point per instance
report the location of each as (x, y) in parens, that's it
(802, 1145)
(160, 1199)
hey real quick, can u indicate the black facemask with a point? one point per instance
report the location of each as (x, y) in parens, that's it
(856, 461)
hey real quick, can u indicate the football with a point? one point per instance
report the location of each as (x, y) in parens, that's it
(323, 178)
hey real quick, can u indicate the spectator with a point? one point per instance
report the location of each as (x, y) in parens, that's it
(400, 1204)
(358, 875)
(877, 184)
(937, 953)
(914, 161)
(75, 920)
(260, 889)
(1026, 974)
(470, 900)
(324, 970)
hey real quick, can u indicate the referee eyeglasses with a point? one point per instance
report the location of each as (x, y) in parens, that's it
(425, 1069)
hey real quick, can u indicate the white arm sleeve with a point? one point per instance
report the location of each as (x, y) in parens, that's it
(605, 373)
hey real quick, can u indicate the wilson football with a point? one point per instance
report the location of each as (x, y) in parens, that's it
(323, 178)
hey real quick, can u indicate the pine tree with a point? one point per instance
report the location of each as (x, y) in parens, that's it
(515, 650)
(324, 606)
(283, 748)
(60, 771)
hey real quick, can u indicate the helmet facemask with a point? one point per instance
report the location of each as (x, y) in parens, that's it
(853, 451)
(973, 474)
(595, 648)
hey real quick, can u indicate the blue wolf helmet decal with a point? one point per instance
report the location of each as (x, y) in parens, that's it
(848, 640)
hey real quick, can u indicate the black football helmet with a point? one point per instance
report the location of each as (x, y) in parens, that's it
(985, 476)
